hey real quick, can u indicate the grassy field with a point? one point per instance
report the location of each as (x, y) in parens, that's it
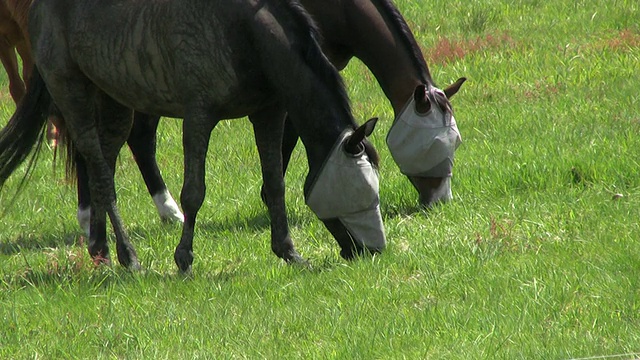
(538, 257)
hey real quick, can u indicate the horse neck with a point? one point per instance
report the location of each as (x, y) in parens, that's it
(383, 42)
(308, 86)
(320, 120)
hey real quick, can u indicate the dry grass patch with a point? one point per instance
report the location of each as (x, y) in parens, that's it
(447, 50)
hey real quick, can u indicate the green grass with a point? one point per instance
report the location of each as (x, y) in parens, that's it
(534, 259)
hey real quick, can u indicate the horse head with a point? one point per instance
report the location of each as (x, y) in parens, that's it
(344, 194)
(423, 139)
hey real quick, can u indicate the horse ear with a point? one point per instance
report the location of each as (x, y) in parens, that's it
(453, 88)
(422, 102)
(364, 130)
(368, 126)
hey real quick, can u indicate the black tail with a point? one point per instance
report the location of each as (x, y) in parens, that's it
(25, 130)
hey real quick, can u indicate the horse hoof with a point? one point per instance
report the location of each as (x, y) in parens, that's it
(130, 262)
(296, 259)
(184, 259)
(347, 254)
(99, 255)
(127, 257)
(174, 217)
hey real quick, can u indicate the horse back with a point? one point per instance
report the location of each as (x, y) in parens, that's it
(161, 56)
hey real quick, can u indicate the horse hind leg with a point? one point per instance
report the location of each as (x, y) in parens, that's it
(76, 97)
(142, 142)
(268, 130)
(115, 123)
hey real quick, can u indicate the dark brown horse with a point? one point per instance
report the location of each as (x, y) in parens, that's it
(202, 61)
(375, 32)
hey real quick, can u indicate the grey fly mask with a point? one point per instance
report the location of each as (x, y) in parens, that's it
(423, 144)
(347, 188)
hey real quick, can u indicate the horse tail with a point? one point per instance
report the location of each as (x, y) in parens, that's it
(25, 130)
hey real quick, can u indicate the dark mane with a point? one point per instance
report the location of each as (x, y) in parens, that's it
(313, 55)
(397, 20)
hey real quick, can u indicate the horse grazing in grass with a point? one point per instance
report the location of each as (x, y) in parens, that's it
(203, 61)
(375, 32)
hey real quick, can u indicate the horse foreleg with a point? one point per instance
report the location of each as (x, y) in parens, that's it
(196, 132)
(268, 128)
(142, 142)
(289, 142)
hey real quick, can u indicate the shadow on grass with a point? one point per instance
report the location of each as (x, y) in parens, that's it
(391, 211)
(257, 222)
(76, 269)
(39, 242)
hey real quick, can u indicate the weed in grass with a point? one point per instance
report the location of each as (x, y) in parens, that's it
(478, 20)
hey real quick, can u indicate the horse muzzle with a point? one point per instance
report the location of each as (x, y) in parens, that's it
(345, 196)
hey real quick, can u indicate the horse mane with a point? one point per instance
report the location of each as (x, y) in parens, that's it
(396, 20)
(312, 54)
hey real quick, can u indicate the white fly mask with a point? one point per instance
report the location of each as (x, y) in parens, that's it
(346, 188)
(423, 144)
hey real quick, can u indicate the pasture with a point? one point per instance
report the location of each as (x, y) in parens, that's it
(537, 257)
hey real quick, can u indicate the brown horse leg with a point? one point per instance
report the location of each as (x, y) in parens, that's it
(10, 63)
(142, 142)
(268, 128)
(27, 62)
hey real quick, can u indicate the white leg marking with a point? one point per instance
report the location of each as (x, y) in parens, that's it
(167, 207)
(84, 219)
